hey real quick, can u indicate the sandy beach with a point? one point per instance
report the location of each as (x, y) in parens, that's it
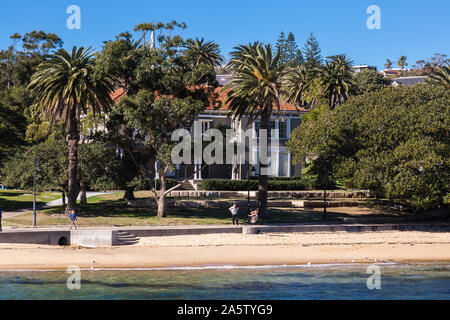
(238, 250)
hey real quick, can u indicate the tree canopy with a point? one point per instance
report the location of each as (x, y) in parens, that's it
(394, 141)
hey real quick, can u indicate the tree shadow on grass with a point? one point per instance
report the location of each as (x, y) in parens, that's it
(119, 209)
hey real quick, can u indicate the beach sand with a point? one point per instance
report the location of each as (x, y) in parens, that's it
(238, 249)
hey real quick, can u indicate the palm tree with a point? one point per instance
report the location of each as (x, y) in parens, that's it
(441, 77)
(337, 79)
(296, 83)
(238, 57)
(388, 64)
(420, 63)
(253, 92)
(198, 51)
(402, 63)
(64, 87)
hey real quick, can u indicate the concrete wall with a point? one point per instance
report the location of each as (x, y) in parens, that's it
(177, 231)
(348, 228)
(35, 237)
(94, 238)
(274, 194)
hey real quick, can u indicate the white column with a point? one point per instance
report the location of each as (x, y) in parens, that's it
(289, 164)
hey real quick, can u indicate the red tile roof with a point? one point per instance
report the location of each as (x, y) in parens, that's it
(221, 96)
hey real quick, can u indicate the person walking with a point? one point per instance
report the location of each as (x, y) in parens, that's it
(73, 217)
(253, 216)
(234, 212)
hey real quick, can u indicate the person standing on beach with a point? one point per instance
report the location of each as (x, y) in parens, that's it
(234, 212)
(73, 217)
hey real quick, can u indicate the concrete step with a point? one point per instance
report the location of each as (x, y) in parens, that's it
(127, 243)
(125, 238)
(187, 186)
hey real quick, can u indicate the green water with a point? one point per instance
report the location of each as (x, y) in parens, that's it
(425, 281)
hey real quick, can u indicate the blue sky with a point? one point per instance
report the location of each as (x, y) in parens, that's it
(417, 29)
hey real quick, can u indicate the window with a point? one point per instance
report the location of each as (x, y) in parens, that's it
(282, 127)
(205, 125)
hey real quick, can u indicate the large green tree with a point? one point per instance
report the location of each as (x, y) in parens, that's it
(394, 141)
(64, 87)
(294, 55)
(311, 52)
(173, 83)
(288, 51)
(370, 80)
(12, 130)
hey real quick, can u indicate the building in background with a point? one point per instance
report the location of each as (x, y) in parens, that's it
(363, 67)
(408, 81)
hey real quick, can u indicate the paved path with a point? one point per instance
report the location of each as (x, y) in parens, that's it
(54, 203)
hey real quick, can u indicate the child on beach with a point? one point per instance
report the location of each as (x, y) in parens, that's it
(234, 212)
(73, 217)
(253, 216)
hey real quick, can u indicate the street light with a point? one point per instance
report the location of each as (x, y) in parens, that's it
(327, 171)
(250, 171)
(37, 168)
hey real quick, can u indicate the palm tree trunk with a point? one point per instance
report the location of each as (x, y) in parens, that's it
(262, 187)
(73, 137)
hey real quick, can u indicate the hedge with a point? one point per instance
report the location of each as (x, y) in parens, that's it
(294, 183)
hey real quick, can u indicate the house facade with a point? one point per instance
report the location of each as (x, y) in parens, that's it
(284, 122)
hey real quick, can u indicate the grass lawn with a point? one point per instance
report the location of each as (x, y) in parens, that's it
(111, 210)
(20, 199)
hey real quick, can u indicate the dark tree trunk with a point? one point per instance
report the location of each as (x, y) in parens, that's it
(63, 197)
(129, 195)
(73, 137)
(262, 187)
(162, 200)
(83, 198)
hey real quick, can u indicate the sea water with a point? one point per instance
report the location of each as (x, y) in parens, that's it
(419, 281)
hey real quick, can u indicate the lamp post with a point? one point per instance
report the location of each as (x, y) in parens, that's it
(250, 171)
(36, 169)
(325, 182)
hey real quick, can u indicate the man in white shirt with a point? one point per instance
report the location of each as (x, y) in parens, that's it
(234, 212)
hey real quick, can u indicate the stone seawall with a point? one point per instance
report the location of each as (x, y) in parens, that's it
(307, 194)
